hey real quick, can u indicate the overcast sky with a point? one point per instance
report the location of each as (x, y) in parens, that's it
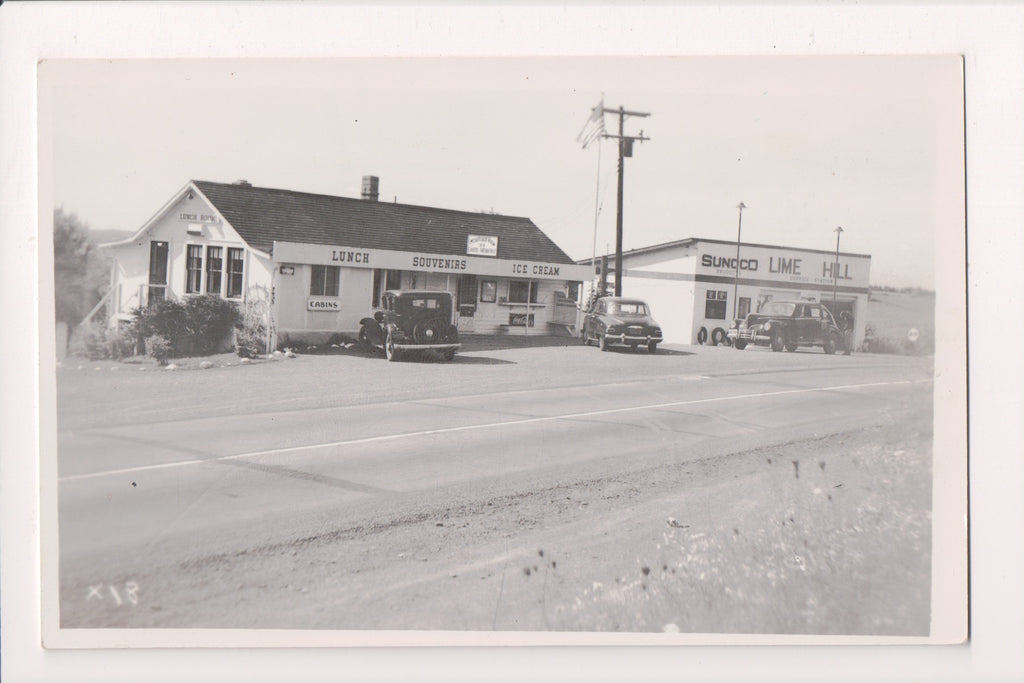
(808, 144)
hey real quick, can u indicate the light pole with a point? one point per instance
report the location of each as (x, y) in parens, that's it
(835, 270)
(736, 280)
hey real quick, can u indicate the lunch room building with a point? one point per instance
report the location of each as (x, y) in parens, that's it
(696, 287)
(322, 262)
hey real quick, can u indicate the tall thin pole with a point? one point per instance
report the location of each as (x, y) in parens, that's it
(597, 209)
(625, 149)
(618, 209)
(597, 191)
(835, 271)
(597, 204)
(736, 280)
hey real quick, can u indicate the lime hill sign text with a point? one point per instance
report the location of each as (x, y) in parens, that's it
(810, 267)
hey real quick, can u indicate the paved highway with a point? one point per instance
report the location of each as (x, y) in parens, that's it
(509, 490)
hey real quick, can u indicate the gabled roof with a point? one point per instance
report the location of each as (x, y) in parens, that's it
(262, 215)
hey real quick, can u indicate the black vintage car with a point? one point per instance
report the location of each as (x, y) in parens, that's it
(788, 325)
(621, 321)
(411, 320)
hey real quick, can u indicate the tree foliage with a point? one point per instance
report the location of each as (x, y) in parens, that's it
(80, 268)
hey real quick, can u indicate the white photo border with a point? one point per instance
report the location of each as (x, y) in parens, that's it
(988, 38)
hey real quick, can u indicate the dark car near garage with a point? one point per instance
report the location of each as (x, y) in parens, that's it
(788, 325)
(616, 320)
(411, 320)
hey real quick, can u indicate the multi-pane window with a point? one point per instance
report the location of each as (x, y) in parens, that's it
(324, 280)
(193, 269)
(714, 308)
(236, 270)
(488, 291)
(214, 267)
(522, 291)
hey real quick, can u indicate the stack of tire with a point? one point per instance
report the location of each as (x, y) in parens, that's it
(717, 336)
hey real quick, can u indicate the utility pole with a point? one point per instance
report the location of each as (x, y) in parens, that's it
(736, 280)
(625, 150)
(835, 271)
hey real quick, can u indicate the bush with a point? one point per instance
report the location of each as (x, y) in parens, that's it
(251, 331)
(159, 348)
(200, 324)
(164, 318)
(89, 340)
(209, 320)
(123, 340)
(95, 341)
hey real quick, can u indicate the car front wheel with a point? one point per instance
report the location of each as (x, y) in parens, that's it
(652, 347)
(740, 344)
(364, 340)
(829, 345)
(602, 342)
(778, 341)
(389, 348)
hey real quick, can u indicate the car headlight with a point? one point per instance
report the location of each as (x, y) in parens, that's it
(656, 332)
(767, 326)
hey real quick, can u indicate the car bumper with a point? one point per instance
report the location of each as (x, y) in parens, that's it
(749, 336)
(427, 347)
(631, 339)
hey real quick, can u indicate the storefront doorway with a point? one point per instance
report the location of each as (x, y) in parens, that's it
(157, 289)
(465, 303)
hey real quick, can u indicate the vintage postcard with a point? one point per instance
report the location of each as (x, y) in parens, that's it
(553, 350)
(371, 337)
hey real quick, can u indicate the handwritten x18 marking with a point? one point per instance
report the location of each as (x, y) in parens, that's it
(131, 593)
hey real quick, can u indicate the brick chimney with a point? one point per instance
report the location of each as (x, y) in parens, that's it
(370, 187)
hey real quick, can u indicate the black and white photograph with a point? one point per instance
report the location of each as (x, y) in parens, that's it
(501, 345)
(507, 343)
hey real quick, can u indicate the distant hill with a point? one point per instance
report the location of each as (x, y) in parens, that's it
(104, 236)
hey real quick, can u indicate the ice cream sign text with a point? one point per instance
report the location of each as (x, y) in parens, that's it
(534, 269)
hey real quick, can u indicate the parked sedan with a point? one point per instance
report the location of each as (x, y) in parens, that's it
(788, 325)
(411, 320)
(616, 320)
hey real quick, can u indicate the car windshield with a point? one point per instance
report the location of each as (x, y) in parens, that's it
(628, 307)
(778, 308)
